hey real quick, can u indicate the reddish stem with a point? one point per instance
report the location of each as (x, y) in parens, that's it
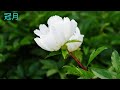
(79, 63)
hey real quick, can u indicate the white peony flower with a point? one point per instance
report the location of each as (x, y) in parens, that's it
(58, 32)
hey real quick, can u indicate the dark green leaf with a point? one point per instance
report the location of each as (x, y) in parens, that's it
(53, 54)
(49, 64)
(20, 71)
(33, 68)
(2, 58)
(26, 40)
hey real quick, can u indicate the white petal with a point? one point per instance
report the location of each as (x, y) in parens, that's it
(77, 31)
(37, 32)
(68, 28)
(65, 28)
(41, 44)
(43, 29)
(54, 19)
(73, 24)
(50, 42)
(58, 36)
(75, 45)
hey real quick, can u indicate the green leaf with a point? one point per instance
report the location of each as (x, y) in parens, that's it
(64, 54)
(2, 58)
(16, 44)
(71, 70)
(53, 54)
(20, 71)
(116, 61)
(34, 67)
(49, 64)
(26, 40)
(51, 72)
(104, 26)
(118, 76)
(86, 50)
(102, 73)
(78, 71)
(71, 41)
(2, 42)
(95, 53)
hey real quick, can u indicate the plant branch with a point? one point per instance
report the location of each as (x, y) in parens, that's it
(79, 63)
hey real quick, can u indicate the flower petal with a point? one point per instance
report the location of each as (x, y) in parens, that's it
(68, 28)
(73, 24)
(41, 44)
(37, 32)
(51, 42)
(65, 28)
(75, 45)
(43, 29)
(58, 36)
(54, 19)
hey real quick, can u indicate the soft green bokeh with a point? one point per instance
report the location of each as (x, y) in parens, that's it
(21, 57)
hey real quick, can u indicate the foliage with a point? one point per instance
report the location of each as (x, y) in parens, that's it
(21, 58)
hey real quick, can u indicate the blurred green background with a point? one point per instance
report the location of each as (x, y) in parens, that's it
(22, 58)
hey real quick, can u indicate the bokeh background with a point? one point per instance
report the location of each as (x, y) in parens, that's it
(22, 58)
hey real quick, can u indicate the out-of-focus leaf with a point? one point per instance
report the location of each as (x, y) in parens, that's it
(49, 64)
(20, 71)
(33, 68)
(86, 50)
(53, 54)
(116, 61)
(16, 44)
(1, 57)
(51, 72)
(102, 73)
(26, 40)
(2, 42)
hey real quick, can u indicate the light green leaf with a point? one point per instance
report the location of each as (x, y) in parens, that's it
(64, 54)
(95, 53)
(116, 61)
(102, 73)
(118, 76)
(78, 72)
(71, 70)
(71, 41)
(53, 54)
(51, 72)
